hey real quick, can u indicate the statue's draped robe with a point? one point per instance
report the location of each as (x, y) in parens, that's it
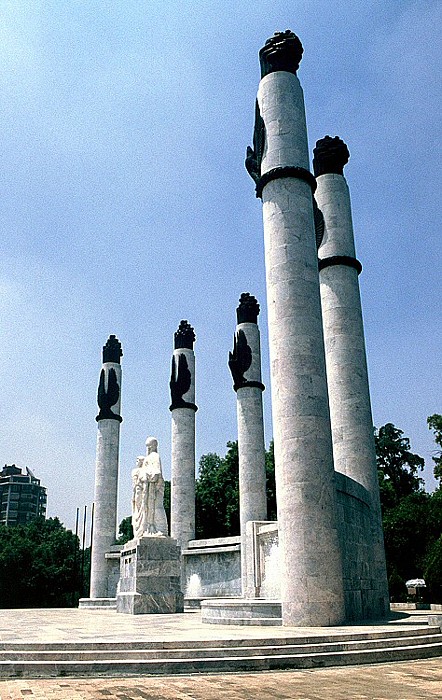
(148, 514)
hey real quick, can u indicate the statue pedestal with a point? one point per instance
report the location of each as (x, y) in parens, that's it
(150, 577)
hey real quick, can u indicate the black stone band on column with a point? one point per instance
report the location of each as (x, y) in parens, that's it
(183, 404)
(285, 171)
(108, 416)
(255, 385)
(340, 260)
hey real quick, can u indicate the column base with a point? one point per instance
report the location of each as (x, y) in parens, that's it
(150, 576)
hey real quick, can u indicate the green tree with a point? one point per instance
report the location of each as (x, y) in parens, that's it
(270, 483)
(217, 494)
(398, 468)
(37, 565)
(407, 535)
(434, 422)
(433, 571)
(125, 530)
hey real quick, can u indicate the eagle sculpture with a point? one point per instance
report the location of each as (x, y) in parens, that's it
(240, 359)
(108, 397)
(254, 155)
(180, 381)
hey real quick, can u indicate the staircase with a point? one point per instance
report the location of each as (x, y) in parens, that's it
(89, 658)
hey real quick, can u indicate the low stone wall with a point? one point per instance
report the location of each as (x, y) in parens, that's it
(363, 595)
(212, 568)
(113, 567)
(410, 606)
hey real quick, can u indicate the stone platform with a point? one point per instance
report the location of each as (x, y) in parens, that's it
(150, 577)
(239, 611)
(73, 642)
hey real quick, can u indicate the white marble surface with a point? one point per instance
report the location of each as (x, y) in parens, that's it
(350, 406)
(106, 491)
(251, 450)
(281, 103)
(182, 516)
(311, 568)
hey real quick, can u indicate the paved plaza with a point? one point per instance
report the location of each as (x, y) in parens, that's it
(84, 625)
(411, 680)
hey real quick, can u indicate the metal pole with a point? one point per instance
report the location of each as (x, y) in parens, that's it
(74, 576)
(82, 552)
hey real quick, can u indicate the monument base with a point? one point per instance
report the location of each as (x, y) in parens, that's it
(150, 575)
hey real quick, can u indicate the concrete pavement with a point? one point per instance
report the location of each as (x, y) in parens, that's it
(411, 680)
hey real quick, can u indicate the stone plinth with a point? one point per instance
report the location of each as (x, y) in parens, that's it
(150, 577)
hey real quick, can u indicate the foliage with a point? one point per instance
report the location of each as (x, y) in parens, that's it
(435, 424)
(407, 532)
(217, 494)
(37, 565)
(396, 587)
(270, 483)
(433, 571)
(125, 530)
(398, 468)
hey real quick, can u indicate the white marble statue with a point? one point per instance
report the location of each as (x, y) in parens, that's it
(148, 514)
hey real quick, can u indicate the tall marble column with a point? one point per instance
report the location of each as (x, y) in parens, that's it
(350, 406)
(106, 468)
(311, 567)
(245, 366)
(183, 408)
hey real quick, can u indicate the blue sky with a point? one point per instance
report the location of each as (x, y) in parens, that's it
(125, 207)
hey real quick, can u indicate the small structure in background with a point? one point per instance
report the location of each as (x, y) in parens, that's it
(416, 589)
(21, 495)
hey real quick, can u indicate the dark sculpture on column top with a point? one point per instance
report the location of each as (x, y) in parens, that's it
(282, 52)
(248, 309)
(240, 359)
(184, 337)
(109, 392)
(330, 155)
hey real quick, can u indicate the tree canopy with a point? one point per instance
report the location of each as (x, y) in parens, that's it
(398, 467)
(37, 565)
(434, 422)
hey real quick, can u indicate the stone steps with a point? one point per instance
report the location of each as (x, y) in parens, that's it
(212, 651)
(138, 657)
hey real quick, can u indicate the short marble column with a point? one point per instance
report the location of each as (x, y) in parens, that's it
(350, 406)
(245, 366)
(106, 468)
(183, 408)
(310, 556)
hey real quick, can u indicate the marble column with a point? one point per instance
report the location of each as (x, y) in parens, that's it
(106, 468)
(350, 406)
(310, 556)
(183, 409)
(245, 366)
